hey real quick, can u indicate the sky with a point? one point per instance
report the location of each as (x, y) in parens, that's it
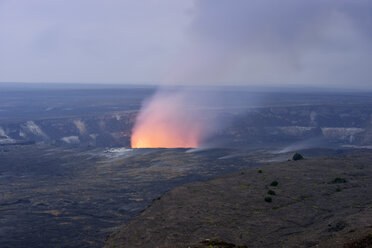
(199, 42)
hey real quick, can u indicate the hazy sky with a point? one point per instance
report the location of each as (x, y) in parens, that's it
(258, 42)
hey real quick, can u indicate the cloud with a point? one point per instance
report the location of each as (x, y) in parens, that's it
(302, 42)
(89, 40)
(317, 42)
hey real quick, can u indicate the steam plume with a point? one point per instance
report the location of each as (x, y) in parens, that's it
(173, 119)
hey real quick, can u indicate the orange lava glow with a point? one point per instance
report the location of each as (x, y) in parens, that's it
(165, 123)
(163, 136)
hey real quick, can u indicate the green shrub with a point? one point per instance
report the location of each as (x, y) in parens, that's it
(297, 156)
(338, 180)
(259, 171)
(274, 183)
(271, 192)
(338, 189)
(268, 199)
(214, 241)
(336, 227)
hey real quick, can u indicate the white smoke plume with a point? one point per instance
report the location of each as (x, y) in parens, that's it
(180, 118)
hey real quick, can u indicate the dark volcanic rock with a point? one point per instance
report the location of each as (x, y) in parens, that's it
(306, 211)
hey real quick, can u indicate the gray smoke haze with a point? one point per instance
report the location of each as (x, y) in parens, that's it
(250, 42)
(317, 42)
(113, 41)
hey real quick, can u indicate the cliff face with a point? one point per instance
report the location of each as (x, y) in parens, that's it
(312, 126)
(108, 130)
(322, 201)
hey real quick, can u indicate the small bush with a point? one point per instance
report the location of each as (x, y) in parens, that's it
(338, 180)
(274, 183)
(271, 192)
(297, 156)
(336, 227)
(259, 171)
(214, 241)
(338, 189)
(219, 243)
(268, 199)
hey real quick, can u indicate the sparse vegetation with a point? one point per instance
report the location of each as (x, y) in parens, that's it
(338, 180)
(268, 199)
(340, 225)
(217, 243)
(297, 156)
(361, 243)
(259, 171)
(274, 183)
(338, 189)
(214, 241)
(253, 196)
(242, 186)
(271, 192)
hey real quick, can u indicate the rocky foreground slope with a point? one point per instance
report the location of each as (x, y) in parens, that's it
(322, 202)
